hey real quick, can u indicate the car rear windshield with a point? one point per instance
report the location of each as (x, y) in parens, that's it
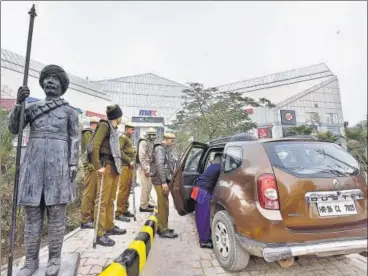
(311, 159)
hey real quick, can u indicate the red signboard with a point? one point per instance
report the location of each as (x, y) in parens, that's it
(248, 110)
(90, 114)
(263, 132)
(7, 104)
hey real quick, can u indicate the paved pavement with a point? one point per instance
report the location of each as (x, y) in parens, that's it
(183, 257)
(93, 260)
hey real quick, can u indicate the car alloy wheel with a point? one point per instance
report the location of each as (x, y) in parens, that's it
(229, 253)
(222, 239)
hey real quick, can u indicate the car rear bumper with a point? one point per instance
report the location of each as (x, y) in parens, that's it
(276, 252)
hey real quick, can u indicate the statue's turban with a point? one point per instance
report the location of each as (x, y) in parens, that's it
(57, 71)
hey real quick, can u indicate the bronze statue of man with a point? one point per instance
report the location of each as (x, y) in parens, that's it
(48, 168)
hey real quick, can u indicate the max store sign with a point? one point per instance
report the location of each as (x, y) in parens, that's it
(147, 112)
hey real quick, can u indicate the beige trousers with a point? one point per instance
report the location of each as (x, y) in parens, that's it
(146, 188)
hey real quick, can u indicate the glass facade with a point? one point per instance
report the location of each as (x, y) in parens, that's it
(148, 100)
(313, 93)
(145, 95)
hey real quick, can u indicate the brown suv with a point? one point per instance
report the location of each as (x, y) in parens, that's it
(278, 198)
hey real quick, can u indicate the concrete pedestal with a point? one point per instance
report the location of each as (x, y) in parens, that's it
(69, 265)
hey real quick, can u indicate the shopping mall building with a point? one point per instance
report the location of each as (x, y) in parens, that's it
(307, 95)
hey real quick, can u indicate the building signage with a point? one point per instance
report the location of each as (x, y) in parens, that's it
(288, 117)
(7, 104)
(264, 132)
(248, 110)
(147, 112)
(148, 120)
(90, 114)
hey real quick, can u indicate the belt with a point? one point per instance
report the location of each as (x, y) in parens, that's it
(106, 157)
(47, 135)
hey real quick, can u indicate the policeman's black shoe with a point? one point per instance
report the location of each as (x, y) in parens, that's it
(151, 206)
(159, 231)
(145, 210)
(105, 241)
(87, 225)
(128, 214)
(122, 218)
(168, 234)
(207, 244)
(115, 231)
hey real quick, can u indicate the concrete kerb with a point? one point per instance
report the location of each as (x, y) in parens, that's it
(133, 259)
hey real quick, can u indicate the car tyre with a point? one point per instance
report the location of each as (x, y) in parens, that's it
(229, 253)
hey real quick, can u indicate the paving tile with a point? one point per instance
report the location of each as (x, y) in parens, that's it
(84, 270)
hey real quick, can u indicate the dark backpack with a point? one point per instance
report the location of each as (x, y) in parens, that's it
(169, 160)
(137, 152)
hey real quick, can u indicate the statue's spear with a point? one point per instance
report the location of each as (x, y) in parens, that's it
(32, 14)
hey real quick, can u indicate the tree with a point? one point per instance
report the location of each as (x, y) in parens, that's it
(356, 139)
(207, 114)
(298, 130)
(7, 151)
(328, 136)
(182, 142)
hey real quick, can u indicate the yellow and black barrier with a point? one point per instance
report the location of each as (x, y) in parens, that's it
(133, 259)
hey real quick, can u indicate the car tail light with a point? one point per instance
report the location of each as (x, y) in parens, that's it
(267, 192)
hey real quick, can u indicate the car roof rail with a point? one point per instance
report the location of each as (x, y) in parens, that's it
(219, 140)
(234, 138)
(302, 137)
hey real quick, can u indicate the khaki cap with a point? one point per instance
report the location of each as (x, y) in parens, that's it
(169, 135)
(151, 130)
(129, 125)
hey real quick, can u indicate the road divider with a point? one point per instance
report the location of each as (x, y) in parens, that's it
(131, 262)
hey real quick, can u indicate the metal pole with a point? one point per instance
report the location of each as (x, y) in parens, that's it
(97, 221)
(0, 174)
(32, 14)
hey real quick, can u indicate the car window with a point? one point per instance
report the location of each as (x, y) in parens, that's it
(311, 159)
(232, 159)
(192, 162)
(210, 157)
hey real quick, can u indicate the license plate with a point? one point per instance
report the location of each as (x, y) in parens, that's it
(340, 208)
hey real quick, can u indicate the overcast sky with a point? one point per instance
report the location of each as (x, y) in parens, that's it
(209, 42)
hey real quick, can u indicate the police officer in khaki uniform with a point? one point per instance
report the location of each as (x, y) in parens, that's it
(90, 176)
(106, 159)
(161, 173)
(128, 172)
(144, 157)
